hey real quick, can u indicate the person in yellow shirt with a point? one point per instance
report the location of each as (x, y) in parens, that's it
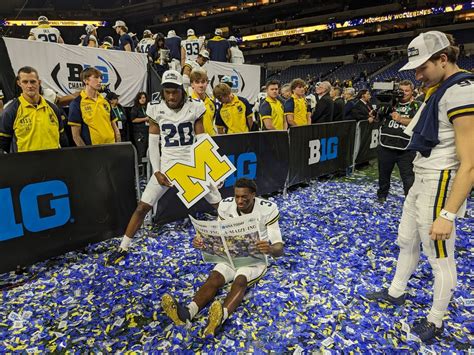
(199, 82)
(271, 109)
(90, 115)
(234, 114)
(296, 111)
(30, 122)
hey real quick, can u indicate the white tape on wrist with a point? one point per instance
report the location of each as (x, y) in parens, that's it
(126, 242)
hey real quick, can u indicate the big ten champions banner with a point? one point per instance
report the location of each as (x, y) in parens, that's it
(245, 78)
(60, 65)
(262, 156)
(366, 141)
(320, 149)
(55, 201)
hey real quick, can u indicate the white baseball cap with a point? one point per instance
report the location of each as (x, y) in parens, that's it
(171, 33)
(190, 32)
(218, 32)
(90, 29)
(423, 46)
(171, 77)
(204, 54)
(119, 23)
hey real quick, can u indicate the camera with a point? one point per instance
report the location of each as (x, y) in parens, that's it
(388, 96)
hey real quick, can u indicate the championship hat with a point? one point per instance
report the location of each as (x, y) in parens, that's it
(423, 46)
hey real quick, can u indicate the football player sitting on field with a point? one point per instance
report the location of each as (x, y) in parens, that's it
(270, 243)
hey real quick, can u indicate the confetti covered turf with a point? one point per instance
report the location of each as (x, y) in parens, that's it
(339, 244)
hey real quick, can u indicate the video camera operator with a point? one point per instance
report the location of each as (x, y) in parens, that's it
(397, 109)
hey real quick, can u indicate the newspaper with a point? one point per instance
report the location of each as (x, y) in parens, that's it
(231, 241)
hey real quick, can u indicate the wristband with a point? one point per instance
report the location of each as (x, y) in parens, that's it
(447, 215)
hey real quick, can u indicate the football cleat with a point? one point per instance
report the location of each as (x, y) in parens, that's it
(216, 315)
(383, 295)
(176, 312)
(426, 330)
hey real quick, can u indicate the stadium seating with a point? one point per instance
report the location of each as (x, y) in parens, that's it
(319, 71)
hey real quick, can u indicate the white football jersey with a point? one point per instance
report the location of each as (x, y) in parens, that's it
(176, 129)
(45, 34)
(144, 45)
(192, 46)
(266, 212)
(443, 156)
(192, 63)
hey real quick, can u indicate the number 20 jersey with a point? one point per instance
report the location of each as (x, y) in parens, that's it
(176, 129)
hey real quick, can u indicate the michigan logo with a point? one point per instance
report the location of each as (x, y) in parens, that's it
(208, 167)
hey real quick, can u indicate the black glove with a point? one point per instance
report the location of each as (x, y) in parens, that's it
(116, 257)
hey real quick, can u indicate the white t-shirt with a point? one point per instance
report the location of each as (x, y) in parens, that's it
(443, 156)
(45, 34)
(144, 45)
(176, 129)
(266, 212)
(192, 46)
(237, 57)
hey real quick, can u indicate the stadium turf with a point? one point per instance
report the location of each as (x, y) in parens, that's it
(339, 244)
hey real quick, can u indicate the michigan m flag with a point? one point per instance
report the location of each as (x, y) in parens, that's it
(208, 167)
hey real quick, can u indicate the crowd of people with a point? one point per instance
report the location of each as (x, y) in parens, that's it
(170, 51)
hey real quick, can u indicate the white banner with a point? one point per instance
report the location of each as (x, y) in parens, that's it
(245, 78)
(59, 66)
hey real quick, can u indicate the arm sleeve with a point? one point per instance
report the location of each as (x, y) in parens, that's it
(265, 110)
(154, 151)
(75, 115)
(289, 105)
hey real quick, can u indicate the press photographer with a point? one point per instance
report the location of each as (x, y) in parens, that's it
(398, 107)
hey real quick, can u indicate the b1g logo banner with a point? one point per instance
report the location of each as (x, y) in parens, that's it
(245, 78)
(55, 193)
(60, 65)
(66, 199)
(368, 141)
(320, 149)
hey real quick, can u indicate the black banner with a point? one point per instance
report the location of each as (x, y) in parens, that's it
(262, 156)
(7, 76)
(368, 141)
(55, 201)
(320, 149)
